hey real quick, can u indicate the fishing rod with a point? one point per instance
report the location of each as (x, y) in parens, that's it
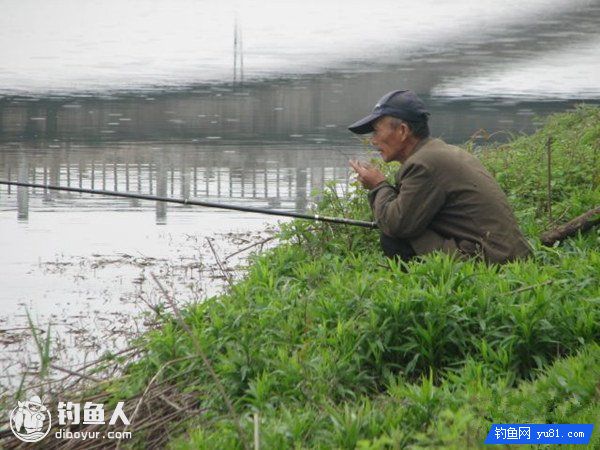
(272, 212)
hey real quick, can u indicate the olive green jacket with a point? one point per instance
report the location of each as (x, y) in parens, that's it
(446, 200)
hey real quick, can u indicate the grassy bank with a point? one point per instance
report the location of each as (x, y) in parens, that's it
(327, 344)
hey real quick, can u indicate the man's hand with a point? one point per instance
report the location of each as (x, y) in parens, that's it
(367, 175)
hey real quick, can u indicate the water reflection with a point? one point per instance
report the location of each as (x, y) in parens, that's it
(306, 113)
(283, 177)
(316, 108)
(22, 192)
(272, 151)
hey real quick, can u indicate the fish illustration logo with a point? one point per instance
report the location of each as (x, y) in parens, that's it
(29, 420)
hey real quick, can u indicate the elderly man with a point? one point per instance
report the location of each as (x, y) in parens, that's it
(444, 199)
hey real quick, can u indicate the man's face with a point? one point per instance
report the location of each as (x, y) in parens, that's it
(389, 140)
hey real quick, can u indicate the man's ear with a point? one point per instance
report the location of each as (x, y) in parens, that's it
(404, 130)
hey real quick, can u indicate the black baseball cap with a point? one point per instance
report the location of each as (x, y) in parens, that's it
(401, 104)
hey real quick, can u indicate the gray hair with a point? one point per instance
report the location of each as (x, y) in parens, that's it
(419, 130)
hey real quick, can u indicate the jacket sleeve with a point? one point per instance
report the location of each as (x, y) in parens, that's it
(406, 212)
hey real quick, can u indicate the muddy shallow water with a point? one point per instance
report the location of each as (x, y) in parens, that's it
(98, 302)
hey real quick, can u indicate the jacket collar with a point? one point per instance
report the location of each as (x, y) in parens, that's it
(419, 145)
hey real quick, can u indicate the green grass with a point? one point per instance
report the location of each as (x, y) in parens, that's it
(335, 346)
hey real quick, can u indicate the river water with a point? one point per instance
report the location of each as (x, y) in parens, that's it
(238, 102)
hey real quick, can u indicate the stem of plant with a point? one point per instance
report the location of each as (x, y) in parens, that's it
(256, 432)
(549, 153)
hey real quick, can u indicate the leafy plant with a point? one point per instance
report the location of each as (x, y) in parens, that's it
(337, 347)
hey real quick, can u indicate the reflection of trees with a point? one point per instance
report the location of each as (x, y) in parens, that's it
(274, 110)
(22, 193)
(268, 114)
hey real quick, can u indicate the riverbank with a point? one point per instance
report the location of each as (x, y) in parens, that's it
(327, 344)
